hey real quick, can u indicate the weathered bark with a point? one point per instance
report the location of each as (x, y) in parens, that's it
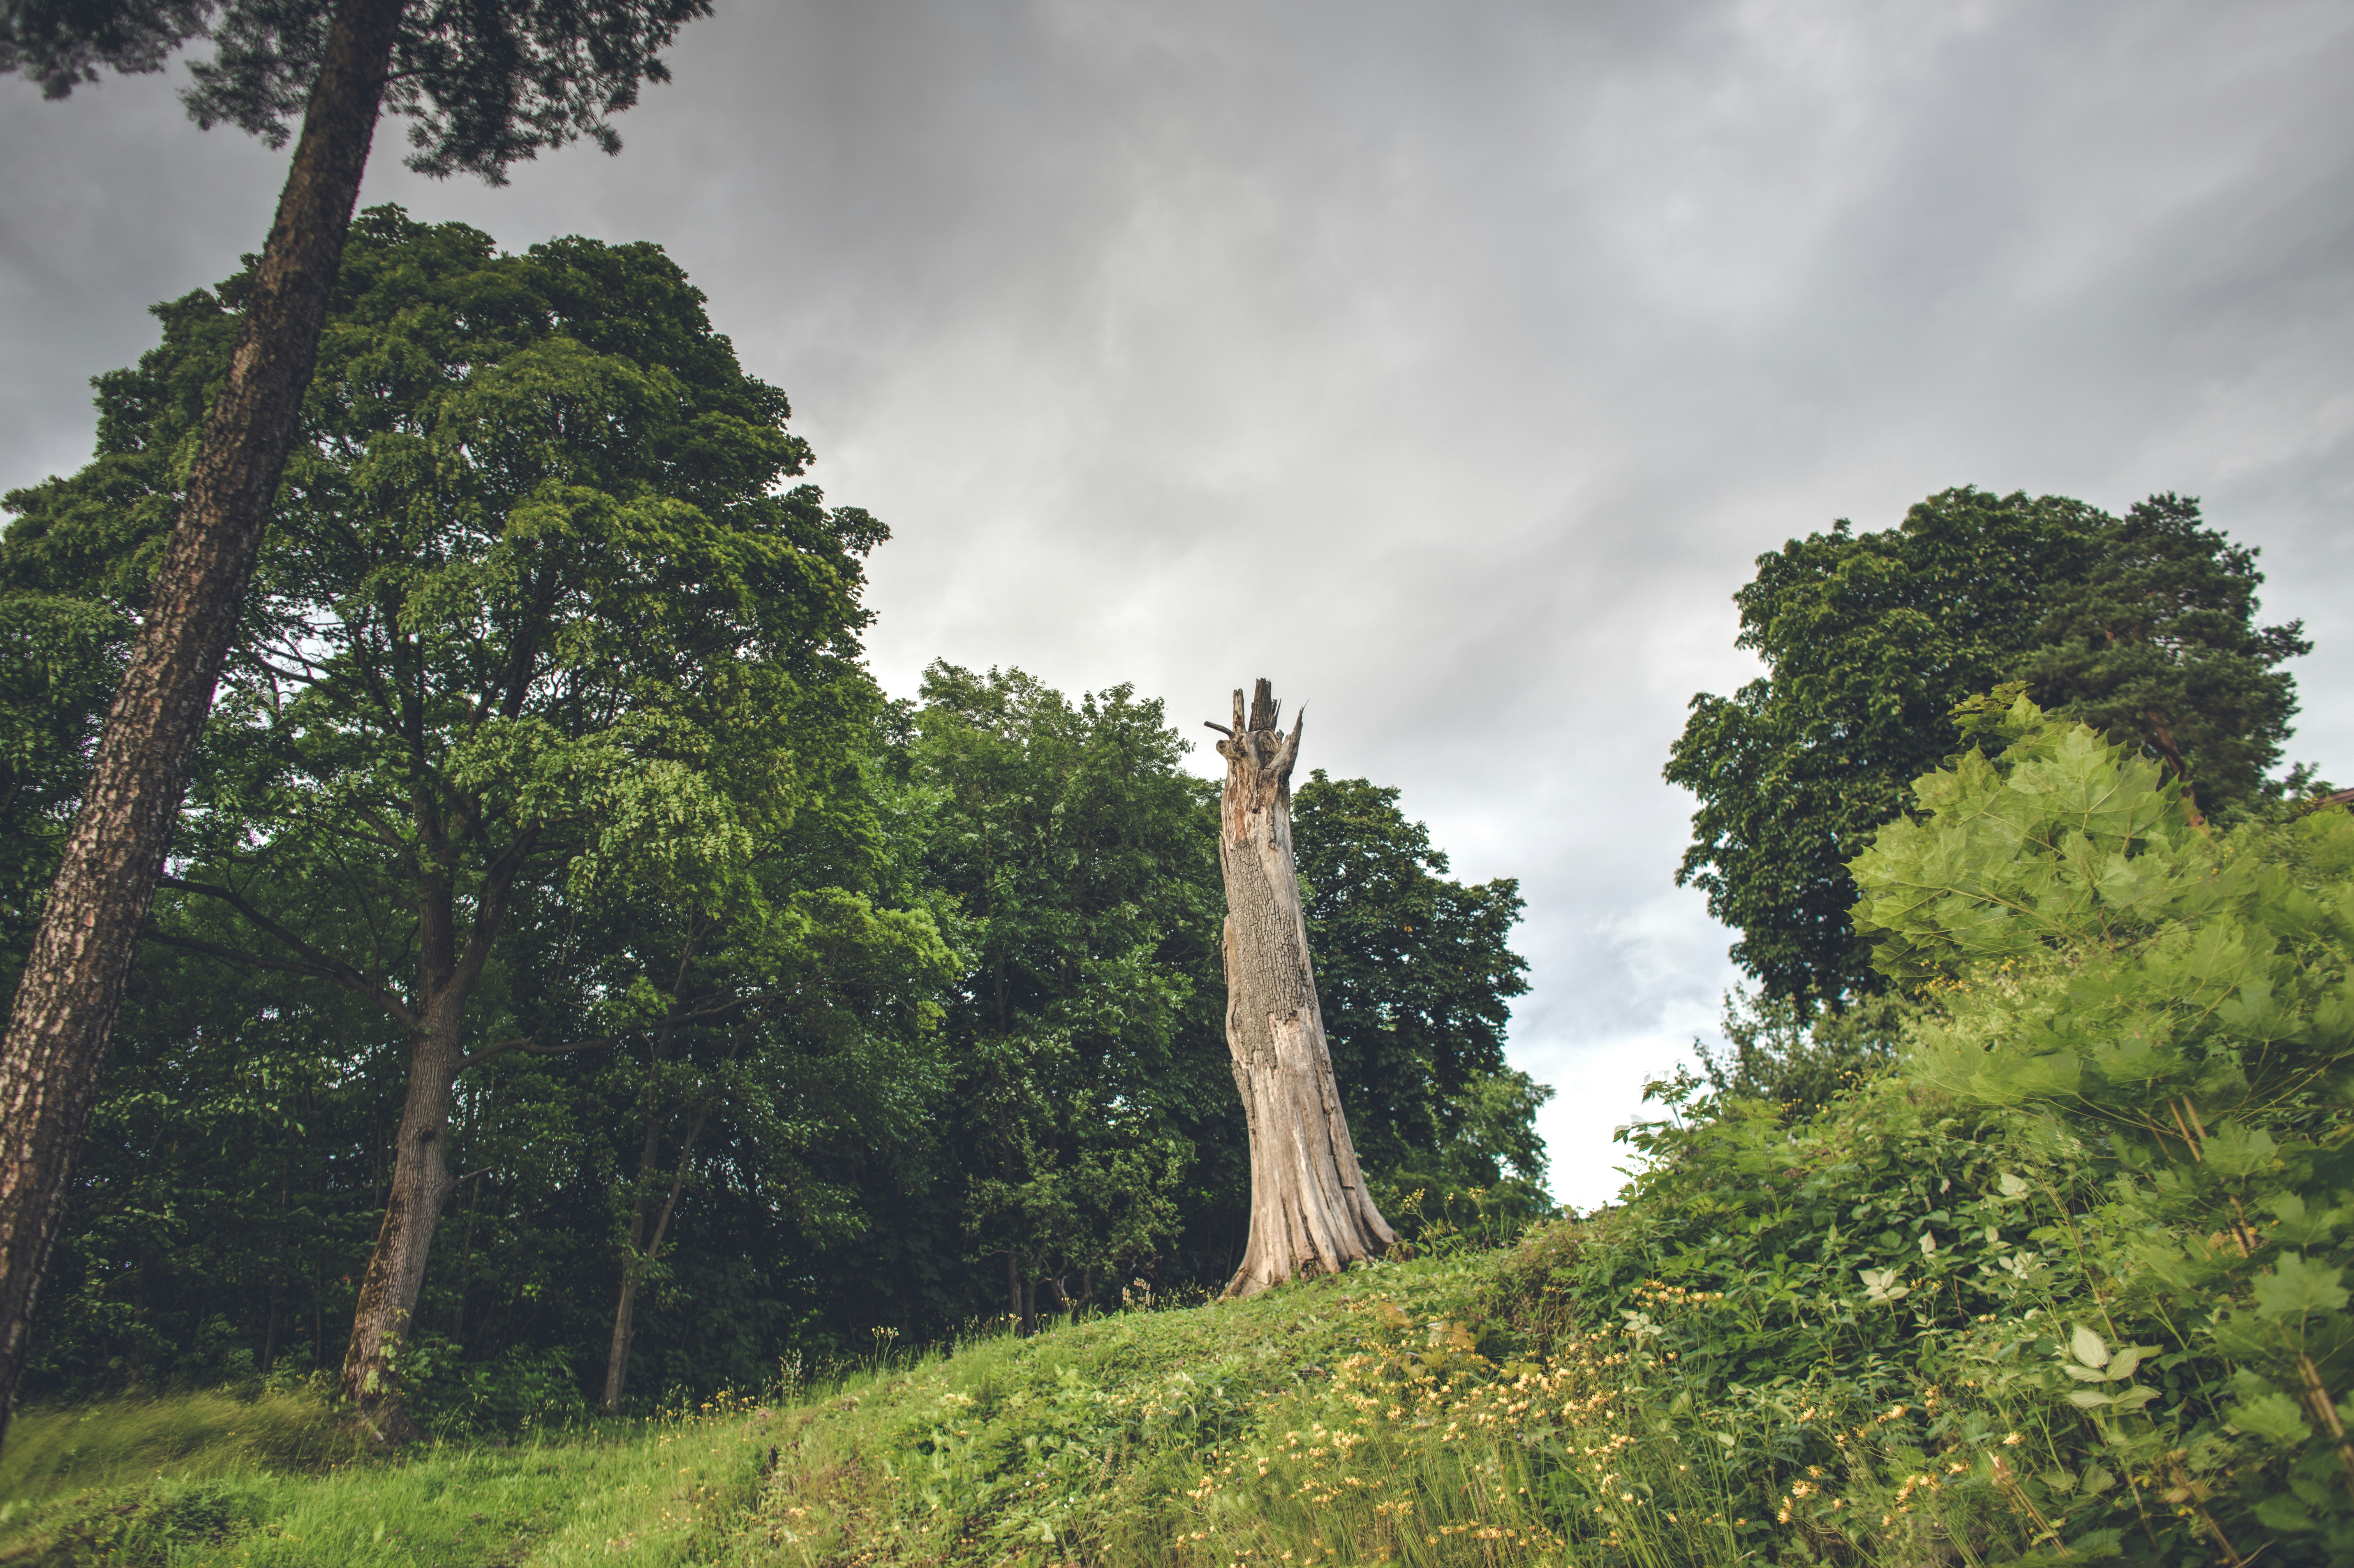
(72, 984)
(1309, 1211)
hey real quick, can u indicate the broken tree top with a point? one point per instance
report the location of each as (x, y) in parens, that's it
(1256, 747)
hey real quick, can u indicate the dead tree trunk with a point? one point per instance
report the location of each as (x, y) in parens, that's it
(1309, 1212)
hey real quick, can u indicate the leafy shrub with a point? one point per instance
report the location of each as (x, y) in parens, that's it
(1777, 1052)
(452, 1395)
(2175, 1009)
(2069, 1281)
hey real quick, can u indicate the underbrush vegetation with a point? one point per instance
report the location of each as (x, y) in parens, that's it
(2063, 1282)
(2060, 1280)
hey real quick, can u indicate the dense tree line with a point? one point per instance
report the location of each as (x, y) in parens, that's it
(572, 978)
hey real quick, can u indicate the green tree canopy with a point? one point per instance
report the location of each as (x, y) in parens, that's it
(2144, 625)
(1082, 857)
(484, 85)
(539, 617)
(2157, 642)
(758, 981)
(59, 661)
(1415, 980)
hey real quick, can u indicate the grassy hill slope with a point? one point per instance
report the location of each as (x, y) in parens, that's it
(1442, 1411)
(1341, 1419)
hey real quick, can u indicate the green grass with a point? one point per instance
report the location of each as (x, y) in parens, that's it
(1134, 1439)
(1388, 1415)
(1417, 1414)
(205, 1478)
(1238, 1432)
(1952, 1318)
(192, 1437)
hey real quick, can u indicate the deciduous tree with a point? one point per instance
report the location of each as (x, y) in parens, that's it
(2144, 625)
(2157, 641)
(1078, 852)
(775, 1017)
(485, 85)
(538, 610)
(1414, 975)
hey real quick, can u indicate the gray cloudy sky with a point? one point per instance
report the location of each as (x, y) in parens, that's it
(1447, 363)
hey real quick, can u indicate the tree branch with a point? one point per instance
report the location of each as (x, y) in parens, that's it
(314, 962)
(524, 1044)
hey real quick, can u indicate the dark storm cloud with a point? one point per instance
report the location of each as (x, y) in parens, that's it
(1447, 363)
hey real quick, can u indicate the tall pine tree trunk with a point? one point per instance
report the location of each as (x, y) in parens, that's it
(1309, 1212)
(73, 978)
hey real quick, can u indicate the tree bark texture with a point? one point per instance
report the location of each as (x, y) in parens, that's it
(72, 984)
(421, 1183)
(1309, 1211)
(625, 1315)
(421, 1179)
